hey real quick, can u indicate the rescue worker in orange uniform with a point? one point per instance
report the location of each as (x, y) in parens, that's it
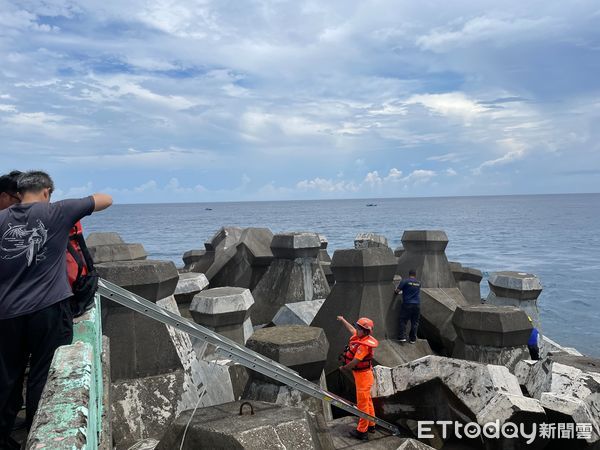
(358, 357)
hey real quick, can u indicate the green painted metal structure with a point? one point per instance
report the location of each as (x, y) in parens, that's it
(70, 413)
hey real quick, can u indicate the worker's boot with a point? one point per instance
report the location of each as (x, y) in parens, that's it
(371, 429)
(360, 435)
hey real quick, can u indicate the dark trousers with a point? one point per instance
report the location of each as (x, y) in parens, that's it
(534, 352)
(409, 312)
(32, 337)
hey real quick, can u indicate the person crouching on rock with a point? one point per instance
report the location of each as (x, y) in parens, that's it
(358, 357)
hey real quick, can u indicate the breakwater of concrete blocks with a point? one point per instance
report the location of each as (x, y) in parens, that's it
(279, 294)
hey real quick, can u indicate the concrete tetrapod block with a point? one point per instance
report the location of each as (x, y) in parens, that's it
(270, 427)
(150, 279)
(299, 313)
(519, 289)
(143, 407)
(468, 281)
(441, 388)
(363, 288)
(117, 252)
(437, 308)
(491, 334)
(189, 284)
(568, 388)
(225, 310)
(297, 244)
(325, 260)
(424, 251)
(295, 275)
(244, 263)
(108, 238)
(368, 240)
(192, 256)
(301, 348)
(341, 427)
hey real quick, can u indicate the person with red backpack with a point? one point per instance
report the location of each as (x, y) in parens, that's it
(358, 357)
(35, 297)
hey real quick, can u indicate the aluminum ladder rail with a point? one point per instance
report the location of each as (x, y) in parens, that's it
(233, 351)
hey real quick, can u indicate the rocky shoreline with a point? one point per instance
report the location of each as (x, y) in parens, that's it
(279, 295)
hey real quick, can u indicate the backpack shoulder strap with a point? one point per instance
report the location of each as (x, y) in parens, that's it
(77, 257)
(89, 261)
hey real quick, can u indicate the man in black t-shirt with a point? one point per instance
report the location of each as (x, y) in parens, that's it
(35, 315)
(411, 306)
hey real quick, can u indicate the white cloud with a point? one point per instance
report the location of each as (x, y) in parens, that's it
(326, 185)
(451, 172)
(449, 104)
(516, 151)
(500, 31)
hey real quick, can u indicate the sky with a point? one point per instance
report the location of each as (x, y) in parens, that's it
(180, 101)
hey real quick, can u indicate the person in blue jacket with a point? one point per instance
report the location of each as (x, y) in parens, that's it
(411, 306)
(533, 342)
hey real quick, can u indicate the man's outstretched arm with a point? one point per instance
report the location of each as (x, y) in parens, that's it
(101, 201)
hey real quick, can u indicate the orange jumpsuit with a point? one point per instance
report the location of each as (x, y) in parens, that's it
(363, 378)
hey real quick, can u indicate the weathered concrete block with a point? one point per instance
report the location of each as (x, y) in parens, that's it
(301, 348)
(109, 238)
(437, 308)
(222, 427)
(150, 279)
(363, 288)
(567, 386)
(493, 326)
(296, 245)
(341, 427)
(117, 252)
(391, 353)
(202, 262)
(398, 251)
(368, 240)
(192, 256)
(424, 251)
(452, 389)
(299, 313)
(189, 284)
(224, 310)
(244, 262)
(143, 407)
(295, 275)
(468, 281)
(325, 260)
(519, 289)
(515, 285)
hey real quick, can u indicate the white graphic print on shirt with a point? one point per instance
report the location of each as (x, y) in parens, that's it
(19, 240)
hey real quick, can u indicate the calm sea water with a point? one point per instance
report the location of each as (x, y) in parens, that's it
(554, 236)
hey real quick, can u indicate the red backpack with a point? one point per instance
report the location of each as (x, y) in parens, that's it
(83, 278)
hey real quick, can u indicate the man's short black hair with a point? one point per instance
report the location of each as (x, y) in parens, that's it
(34, 181)
(8, 182)
(412, 273)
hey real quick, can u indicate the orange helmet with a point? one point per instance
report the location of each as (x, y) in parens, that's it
(365, 323)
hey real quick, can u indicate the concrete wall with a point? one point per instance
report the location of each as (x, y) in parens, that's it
(71, 413)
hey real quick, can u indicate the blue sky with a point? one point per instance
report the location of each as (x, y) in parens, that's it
(204, 100)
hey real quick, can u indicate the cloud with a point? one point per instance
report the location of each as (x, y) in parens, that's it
(497, 30)
(516, 151)
(449, 104)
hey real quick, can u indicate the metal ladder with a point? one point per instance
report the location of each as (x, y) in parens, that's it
(232, 350)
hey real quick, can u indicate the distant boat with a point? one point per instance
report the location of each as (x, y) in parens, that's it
(371, 204)
(208, 209)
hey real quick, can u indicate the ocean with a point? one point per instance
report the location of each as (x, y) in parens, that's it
(555, 237)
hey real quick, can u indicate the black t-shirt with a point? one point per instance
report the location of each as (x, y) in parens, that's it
(411, 291)
(33, 241)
